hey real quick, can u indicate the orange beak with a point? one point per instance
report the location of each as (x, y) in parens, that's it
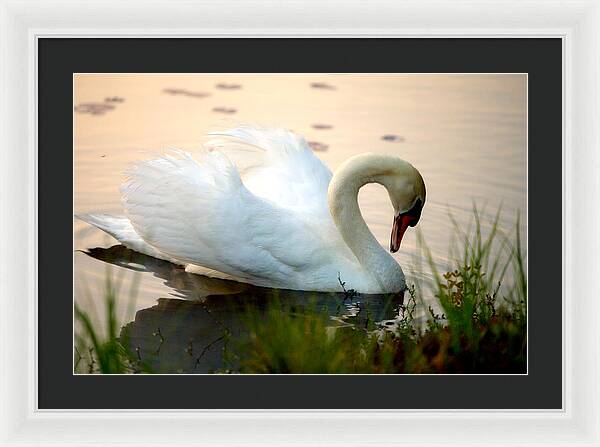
(401, 222)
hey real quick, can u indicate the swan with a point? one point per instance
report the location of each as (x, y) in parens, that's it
(259, 207)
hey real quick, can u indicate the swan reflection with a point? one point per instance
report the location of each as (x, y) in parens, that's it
(189, 333)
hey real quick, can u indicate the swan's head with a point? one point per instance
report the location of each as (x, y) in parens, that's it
(406, 189)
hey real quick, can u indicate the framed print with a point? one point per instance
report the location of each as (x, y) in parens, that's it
(258, 259)
(294, 230)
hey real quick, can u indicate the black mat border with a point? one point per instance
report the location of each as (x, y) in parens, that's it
(58, 59)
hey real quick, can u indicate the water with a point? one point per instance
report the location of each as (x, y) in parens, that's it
(465, 133)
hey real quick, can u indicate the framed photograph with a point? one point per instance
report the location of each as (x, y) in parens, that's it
(322, 231)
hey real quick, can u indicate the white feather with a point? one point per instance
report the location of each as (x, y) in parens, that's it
(277, 165)
(201, 213)
(121, 229)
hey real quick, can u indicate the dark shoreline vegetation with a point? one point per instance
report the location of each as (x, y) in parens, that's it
(478, 324)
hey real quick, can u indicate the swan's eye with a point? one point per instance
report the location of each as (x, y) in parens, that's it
(415, 212)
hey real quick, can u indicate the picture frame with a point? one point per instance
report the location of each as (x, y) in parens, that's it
(577, 23)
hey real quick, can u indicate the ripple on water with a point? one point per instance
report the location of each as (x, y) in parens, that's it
(321, 126)
(322, 86)
(317, 146)
(393, 138)
(184, 92)
(225, 110)
(228, 86)
(94, 108)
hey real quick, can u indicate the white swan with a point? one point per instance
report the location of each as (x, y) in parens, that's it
(276, 218)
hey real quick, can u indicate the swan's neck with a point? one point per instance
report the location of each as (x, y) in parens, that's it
(344, 209)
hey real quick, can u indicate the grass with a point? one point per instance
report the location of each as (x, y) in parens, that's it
(102, 352)
(477, 323)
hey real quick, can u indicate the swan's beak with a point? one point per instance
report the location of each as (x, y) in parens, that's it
(401, 222)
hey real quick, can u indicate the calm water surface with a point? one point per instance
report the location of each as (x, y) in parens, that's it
(466, 134)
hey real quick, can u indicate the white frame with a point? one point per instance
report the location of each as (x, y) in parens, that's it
(577, 22)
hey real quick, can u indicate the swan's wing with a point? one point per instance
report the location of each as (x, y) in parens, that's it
(201, 213)
(121, 229)
(277, 165)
